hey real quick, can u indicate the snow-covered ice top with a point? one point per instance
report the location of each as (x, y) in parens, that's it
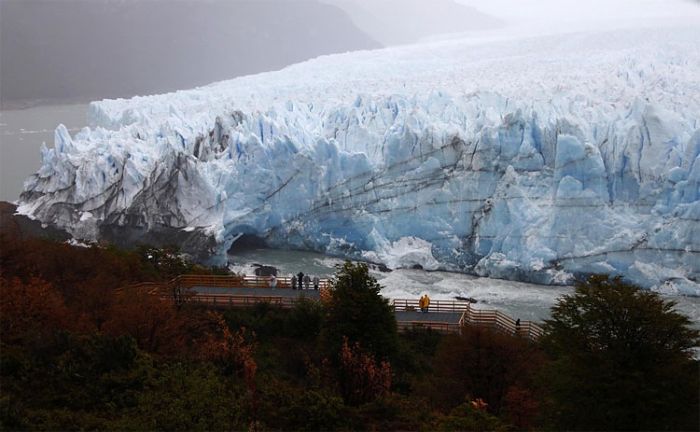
(529, 159)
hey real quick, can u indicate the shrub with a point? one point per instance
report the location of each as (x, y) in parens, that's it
(358, 312)
(622, 360)
(481, 363)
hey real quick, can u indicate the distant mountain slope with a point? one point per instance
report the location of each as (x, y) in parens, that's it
(99, 48)
(393, 22)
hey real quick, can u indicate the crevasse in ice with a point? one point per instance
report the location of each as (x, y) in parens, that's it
(533, 159)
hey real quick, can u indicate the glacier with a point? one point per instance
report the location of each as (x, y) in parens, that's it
(535, 159)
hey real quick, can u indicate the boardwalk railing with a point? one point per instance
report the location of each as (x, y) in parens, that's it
(407, 305)
(179, 290)
(235, 281)
(470, 316)
(159, 288)
(439, 326)
(501, 322)
(231, 301)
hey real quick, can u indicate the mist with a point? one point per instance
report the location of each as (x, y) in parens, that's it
(81, 50)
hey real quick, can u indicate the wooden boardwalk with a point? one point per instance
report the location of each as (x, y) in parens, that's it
(236, 291)
(468, 315)
(444, 322)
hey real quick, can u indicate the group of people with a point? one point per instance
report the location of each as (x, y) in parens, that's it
(299, 281)
(424, 303)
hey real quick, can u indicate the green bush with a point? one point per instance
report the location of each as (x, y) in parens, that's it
(188, 397)
(358, 312)
(466, 418)
(287, 406)
(622, 361)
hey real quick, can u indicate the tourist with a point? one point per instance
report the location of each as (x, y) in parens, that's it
(294, 282)
(317, 282)
(307, 281)
(427, 303)
(517, 326)
(421, 303)
(273, 282)
(300, 275)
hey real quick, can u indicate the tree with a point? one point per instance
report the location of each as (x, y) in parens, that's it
(168, 261)
(497, 368)
(358, 312)
(622, 360)
(361, 377)
(30, 310)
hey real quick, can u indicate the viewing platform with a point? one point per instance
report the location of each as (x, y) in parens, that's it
(444, 316)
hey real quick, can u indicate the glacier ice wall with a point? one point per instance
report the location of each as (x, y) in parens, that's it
(533, 159)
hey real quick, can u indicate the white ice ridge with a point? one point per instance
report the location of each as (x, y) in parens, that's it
(530, 159)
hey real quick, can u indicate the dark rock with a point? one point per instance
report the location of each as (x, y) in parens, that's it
(17, 226)
(198, 244)
(378, 267)
(383, 268)
(467, 299)
(265, 271)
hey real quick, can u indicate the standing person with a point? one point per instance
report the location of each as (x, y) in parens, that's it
(317, 282)
(307, 281)
(300, 275)
(421, 303)
(273, 282)
(427, 303)
(517, 326)
(294, 282)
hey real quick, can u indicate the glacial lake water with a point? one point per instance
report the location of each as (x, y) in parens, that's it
(22, 131)
(517, 299)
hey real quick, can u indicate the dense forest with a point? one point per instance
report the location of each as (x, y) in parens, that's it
(80, 349)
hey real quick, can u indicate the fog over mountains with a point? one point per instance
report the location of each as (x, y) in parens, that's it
(393, 22)
(79, 50)
(100, 48)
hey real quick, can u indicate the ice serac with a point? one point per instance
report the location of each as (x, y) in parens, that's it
(531, 159)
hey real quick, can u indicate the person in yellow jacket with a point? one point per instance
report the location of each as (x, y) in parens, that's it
(426, 302)
(421, 303)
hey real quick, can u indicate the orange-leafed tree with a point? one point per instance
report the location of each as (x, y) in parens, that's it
(153, 322)
(232, 350)
(481, 363)
(521, 407)
(361, 377)
(31, 309)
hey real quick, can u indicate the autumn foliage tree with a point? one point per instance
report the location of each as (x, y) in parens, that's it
(483, 364)
(31, 309)
(362, 378)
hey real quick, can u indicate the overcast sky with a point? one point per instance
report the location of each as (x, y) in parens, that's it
(78, 50)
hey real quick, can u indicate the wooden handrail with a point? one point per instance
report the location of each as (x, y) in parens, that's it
(433, 325)
(226, 300)
(476, 317)
(178, 290)
(435, 305)
(236, 281)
